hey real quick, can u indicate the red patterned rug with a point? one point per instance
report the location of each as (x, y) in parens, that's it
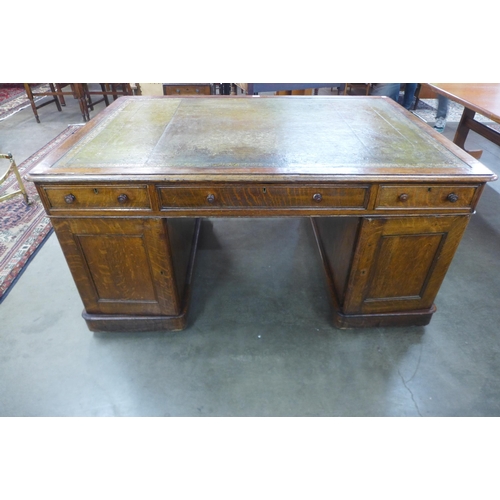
(10, 90)
(23, 228)
(13, 98)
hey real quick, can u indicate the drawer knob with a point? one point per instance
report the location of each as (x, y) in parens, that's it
(403, 197)
(122, 198)
(210, 198)
(317, 197)
(70, 198)
(452, 197)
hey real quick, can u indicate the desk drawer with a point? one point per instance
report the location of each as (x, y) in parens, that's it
(265, 195)
(189, 89)
(95, 197)
(422, 197)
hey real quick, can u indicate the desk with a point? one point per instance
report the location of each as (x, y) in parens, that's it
(388, 198)
(482, 98)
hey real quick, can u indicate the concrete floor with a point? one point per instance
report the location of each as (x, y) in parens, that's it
(259, 340)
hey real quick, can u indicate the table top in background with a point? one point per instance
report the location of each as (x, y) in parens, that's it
(483, 98)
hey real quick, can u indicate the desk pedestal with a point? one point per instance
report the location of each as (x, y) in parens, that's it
(134, 274)
(386, 272)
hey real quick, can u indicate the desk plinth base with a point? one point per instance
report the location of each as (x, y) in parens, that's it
(117, 323)
(414, 318)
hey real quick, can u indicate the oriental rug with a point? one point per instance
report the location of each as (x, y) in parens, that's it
(23, 228)
(10, 90)
(14, 99)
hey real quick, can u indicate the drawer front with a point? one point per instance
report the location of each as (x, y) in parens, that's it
(97, 197)
(187, 90)
(316, 196)
(422, 197)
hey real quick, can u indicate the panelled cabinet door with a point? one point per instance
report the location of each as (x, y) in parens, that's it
(120, 266)
(400, 263)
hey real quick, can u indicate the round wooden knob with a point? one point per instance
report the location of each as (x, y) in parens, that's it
(403, 197)
(122, 198)
(317, 197)
(210, 198)
(452, 197)
(69, 198)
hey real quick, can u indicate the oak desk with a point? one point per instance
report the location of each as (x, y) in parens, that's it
(482, 98)
(388, 197)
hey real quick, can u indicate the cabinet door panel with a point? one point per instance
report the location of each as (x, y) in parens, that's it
(120, 266)
(399, 264)
(117, 264)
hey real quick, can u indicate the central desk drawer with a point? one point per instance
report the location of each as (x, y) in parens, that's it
(94, 197)
(265, 195)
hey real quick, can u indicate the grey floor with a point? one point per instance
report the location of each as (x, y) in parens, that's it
(259, 340)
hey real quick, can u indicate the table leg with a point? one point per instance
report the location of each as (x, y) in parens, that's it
(463, 131)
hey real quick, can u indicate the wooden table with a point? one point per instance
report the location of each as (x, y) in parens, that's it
(388, 198)
(482, 98)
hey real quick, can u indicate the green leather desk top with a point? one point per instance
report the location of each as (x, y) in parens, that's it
(346, 138)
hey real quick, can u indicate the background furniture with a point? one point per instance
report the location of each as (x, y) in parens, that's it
(106, 89)
(423, 92)
(297, 92)
(187, 89)
(482, 98)
(363, 86)
(13, 168)
(80, 91)
(224, 88)
(255, 88)
(388, 197)
(57, 93)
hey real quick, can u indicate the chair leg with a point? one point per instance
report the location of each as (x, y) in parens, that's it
(27, 88)
(61, 96)
(105, 97)
(88, 97)
(56, 98)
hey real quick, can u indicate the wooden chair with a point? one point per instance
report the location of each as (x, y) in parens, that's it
(80, 91)
(13, 168)
(106, 89)
(57, 93)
